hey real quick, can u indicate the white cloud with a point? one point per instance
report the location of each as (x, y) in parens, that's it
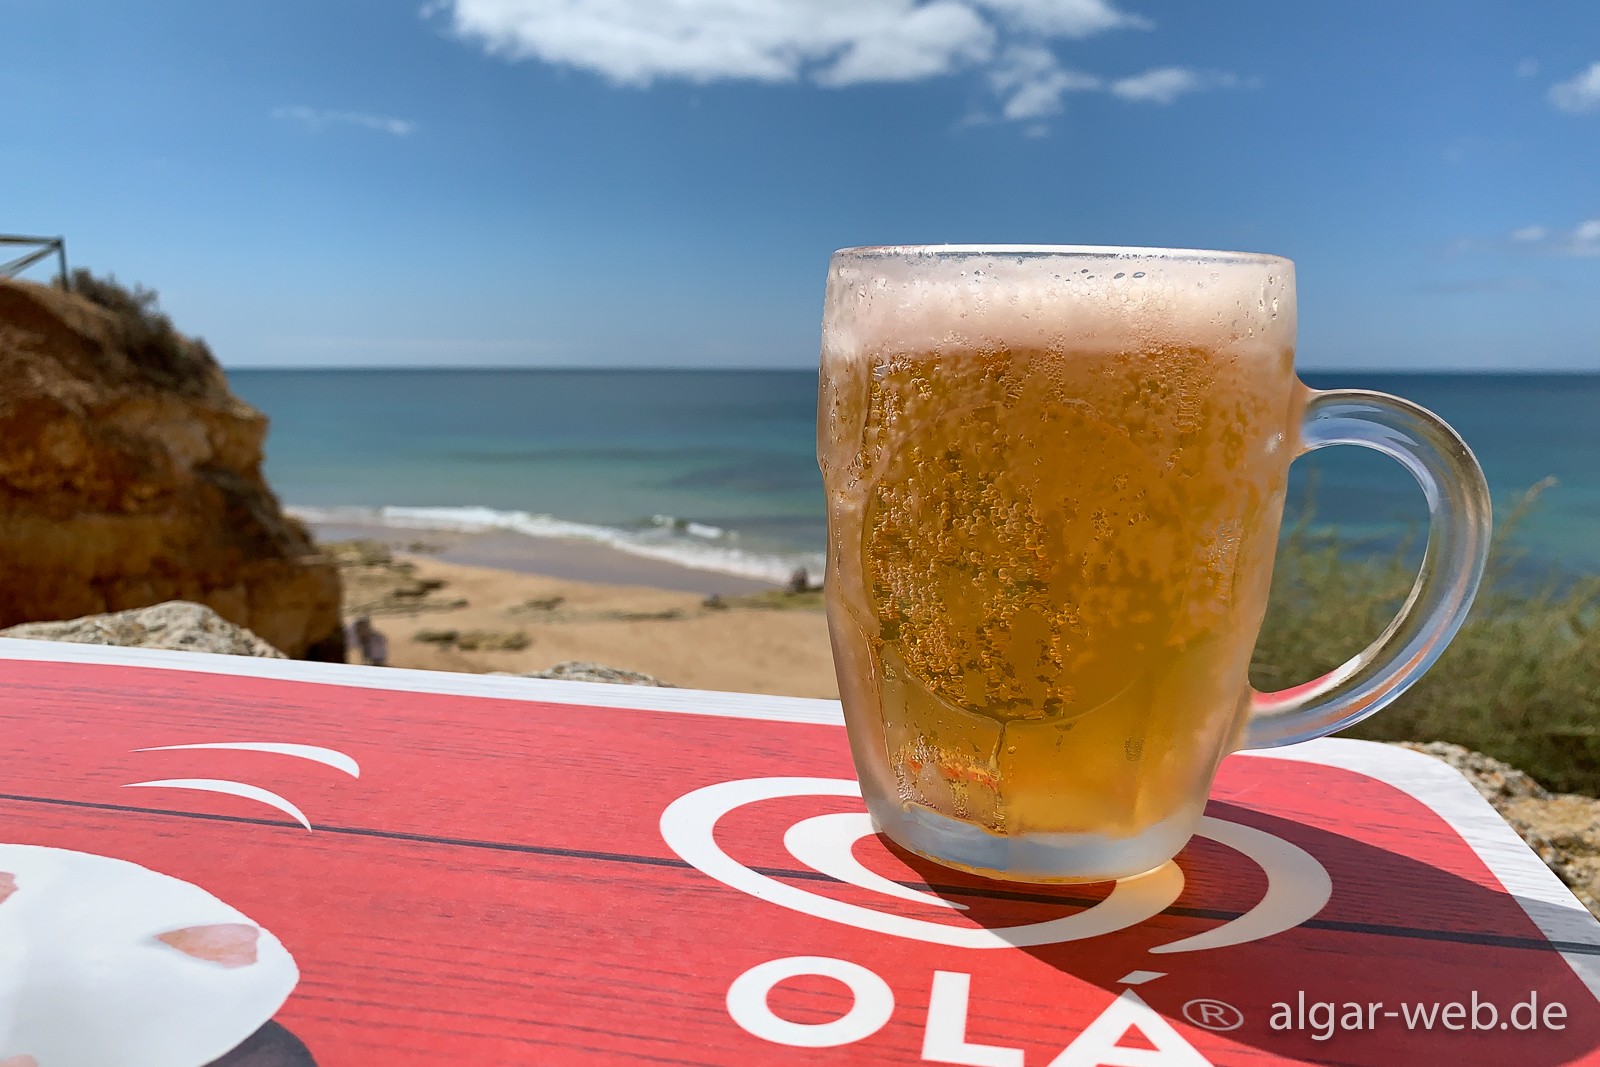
(830, 43)
(928, 41)
(1032, 81)
(1163, 85)
(1582, 240)
(1065, 18)
(1579, 93)
(320, 118)
(635, 42)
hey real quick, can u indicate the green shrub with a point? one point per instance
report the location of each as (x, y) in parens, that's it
(1521, 681)
(147, 335)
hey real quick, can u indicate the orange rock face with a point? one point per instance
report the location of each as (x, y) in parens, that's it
(127, 480)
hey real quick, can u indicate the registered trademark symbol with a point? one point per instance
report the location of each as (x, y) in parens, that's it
(1213, 1014)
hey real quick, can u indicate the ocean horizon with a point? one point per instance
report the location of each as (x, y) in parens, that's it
(716, 469)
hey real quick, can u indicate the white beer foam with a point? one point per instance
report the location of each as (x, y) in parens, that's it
(926, 299)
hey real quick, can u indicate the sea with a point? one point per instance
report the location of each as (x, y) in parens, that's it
(716, 469)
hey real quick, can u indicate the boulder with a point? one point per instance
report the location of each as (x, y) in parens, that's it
(578, 671)
(176, 624)
(1497, 782)
(130, 475)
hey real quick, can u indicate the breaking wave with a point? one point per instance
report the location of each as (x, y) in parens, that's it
(700, 546)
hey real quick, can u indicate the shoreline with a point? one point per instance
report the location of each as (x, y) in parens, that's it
(494, 602)
(551, 557)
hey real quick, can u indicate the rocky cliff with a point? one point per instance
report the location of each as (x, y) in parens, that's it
(130, 475)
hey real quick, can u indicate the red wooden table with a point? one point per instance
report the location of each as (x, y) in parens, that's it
(504, 871)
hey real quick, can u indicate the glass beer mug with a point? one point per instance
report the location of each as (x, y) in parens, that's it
(1055, 477)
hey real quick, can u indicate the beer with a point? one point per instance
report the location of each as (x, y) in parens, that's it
(1051, 539)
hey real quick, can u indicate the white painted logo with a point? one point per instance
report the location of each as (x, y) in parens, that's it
(944, 1028)
(1297, 885)
(313, 753)
(872, 1006)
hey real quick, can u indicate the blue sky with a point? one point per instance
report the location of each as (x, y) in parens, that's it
(638, 182)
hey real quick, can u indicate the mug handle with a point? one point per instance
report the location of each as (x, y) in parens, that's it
(1452, 566)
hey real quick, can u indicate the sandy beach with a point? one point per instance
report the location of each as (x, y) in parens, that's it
(502, 602)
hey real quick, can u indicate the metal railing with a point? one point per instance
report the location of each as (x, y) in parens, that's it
(43, 248)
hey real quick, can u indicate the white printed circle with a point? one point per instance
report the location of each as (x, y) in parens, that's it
(873, 1004)
(1297, 885)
